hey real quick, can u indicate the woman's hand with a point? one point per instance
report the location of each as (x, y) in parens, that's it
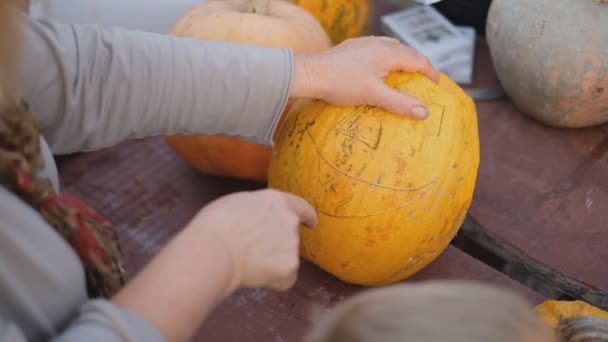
(352, 73)
(259, 231)
(247, 239)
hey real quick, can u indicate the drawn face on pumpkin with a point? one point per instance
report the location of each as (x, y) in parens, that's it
(390, 191)
(365, 156)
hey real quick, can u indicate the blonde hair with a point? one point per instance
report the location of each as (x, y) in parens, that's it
(434, 311)
(583, 329)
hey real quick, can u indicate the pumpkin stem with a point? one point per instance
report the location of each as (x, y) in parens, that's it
(257, 6)
(583, 328)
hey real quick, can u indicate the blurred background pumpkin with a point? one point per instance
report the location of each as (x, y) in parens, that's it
(551, 57)
(575, 321)
(342, 19)
(268, 23)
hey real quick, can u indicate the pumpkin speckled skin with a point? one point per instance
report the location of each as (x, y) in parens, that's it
(275, 24)
(551, 58)
(390, 191)
(342, 19)
(552, 311)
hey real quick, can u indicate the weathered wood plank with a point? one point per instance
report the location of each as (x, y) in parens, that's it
(149, 194)
(542, 195)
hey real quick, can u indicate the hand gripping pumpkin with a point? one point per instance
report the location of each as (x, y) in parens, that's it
(390, 191)
(268, 23)
(575, 320)
(342, 19)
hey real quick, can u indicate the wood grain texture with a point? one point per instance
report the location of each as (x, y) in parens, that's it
(149, 194)
(542, 195)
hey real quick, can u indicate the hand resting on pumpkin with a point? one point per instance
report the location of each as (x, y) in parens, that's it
(352, 73)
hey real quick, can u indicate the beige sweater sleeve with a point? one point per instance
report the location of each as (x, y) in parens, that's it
(93, 88)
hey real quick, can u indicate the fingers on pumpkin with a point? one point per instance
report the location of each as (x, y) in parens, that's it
(306, 212)
(408, 60)
(397, 102)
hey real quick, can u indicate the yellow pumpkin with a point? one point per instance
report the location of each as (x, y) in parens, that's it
(574, 320)
(390, 191)
(553, 311)
(268, 23)
(342, 19)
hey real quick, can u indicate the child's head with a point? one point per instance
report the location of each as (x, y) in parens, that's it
(583, 329)
(435, 311)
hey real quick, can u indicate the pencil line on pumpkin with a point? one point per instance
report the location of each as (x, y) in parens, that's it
(362, 180)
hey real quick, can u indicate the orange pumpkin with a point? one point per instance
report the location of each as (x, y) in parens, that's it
(575, 320)
(553, 311)
(390, 191)
(342, 19)
(268, 23)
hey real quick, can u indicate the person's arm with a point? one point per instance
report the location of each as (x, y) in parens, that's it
(93, 87)
(96, 321)
(247, 239)
(42, 288)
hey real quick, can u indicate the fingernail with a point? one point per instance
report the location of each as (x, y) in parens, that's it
(420, 112)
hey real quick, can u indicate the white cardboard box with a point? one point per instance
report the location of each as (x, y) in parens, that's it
(450, 48)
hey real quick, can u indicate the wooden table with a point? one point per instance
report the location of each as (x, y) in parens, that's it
(541, 197)
(149, 194)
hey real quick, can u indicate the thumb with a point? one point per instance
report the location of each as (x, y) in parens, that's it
(397, 102)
